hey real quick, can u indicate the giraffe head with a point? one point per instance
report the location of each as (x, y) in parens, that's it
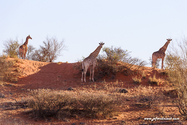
(101, 43)
(29, 37)
(168, 40)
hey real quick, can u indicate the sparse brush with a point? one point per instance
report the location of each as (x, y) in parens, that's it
(78, 66)
(5, 71)
(164, 73)
(46, 103)
(153, 80)
(177, 71)
(5, 56)
(143, 75)
(16, 60)
(136, 80)
(59, 63)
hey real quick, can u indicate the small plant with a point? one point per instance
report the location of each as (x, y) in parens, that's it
(164, 73)
(5, 56)
(153, 80)
(16, 60)
(136, 80)
(143, 75)
(59, 63)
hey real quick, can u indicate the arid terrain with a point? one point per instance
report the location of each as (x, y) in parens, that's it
(143, 100)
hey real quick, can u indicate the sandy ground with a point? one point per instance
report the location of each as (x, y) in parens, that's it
(61, 76)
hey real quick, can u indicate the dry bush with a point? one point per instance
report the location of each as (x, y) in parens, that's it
(46, 102)
(143, 75)
(117, 60)
(176, 62)
(136, 80)
(11, 48)
(49, 52)
(98, 104)
(5, 71)
(153, 80)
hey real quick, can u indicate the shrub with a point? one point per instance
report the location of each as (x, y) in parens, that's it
(143, 75)
(177, 70)
(46, 102)
(11, 48)
(7, 71)
(153, 80)
(116, 60)
(95, 104)
(136, 79)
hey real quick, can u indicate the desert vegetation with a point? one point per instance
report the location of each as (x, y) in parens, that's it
(46, 103)
(176, 62)
(46, 53)
(125, 91)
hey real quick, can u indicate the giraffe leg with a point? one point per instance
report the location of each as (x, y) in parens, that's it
(93, 74)
(90, 73)
(162, 62)
(94, 64)
(82, 75)
(154, 59)
(84, 72)
(24, 54)
(85, 75)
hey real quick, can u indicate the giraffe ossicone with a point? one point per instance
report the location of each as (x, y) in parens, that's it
(90, 61)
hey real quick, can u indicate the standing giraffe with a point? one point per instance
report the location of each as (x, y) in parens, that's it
(23, 48)
(90, 61)
(160, 54)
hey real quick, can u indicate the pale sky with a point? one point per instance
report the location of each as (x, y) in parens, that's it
(139, 26)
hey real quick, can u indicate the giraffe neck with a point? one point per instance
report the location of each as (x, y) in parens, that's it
(95, 53)
(163, 49)
(26, 41)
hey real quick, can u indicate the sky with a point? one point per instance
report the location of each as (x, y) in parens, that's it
(139, 26)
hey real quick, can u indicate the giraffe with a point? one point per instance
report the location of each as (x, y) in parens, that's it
(90, 61)
(23, 48)
(160, 54)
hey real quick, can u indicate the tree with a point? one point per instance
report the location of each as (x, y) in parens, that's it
(176, 61)
(114, 55)
(30, 52)
(50, 51)
(11, 47)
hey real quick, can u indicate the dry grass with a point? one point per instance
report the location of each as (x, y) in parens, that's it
(154, 80)
(136, 80)
(6, 72)
(46, 103)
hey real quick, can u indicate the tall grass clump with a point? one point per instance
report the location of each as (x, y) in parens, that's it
(176, 62)
(49, 103)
